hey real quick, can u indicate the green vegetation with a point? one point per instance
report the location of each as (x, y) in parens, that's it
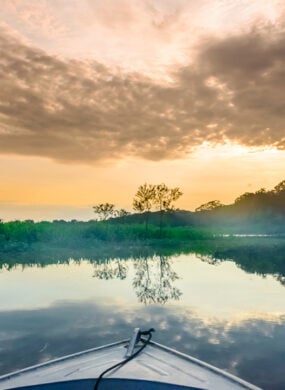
(262, 212)
(19, 236)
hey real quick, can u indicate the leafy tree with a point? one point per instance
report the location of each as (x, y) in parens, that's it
(280, 187)
(164, 199)
(143, 200)
(160, 196)
(245, 196)
(104, 211)
(212, 205)
(261, 191)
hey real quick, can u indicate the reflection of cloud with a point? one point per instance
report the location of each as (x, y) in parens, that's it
(84, 111)
(69, 327)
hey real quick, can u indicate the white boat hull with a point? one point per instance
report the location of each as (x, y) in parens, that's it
(156, 367)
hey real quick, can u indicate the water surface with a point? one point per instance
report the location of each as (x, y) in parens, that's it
(213, 308)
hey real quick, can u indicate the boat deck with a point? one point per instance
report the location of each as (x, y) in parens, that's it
(157, 367)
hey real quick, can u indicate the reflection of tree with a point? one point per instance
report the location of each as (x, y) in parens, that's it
(280, 279)
(210, 259)
(116, 269)
(261, 256)
(253, 261)
(153, 280)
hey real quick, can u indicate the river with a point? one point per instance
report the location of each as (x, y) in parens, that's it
(228, 310)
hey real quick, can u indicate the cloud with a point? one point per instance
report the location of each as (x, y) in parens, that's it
(126, 27)
(83, 111)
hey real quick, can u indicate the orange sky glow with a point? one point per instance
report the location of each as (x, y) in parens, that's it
(189, 93)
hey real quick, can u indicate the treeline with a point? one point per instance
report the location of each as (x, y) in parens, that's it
(155, 218)
(260, 211)
(148, 197)
(19, 236)
(251, 213)
(250, 202)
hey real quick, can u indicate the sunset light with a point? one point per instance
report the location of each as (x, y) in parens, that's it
(142, 186)
(86, 104)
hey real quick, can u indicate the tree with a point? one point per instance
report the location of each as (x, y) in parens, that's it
(261, 191)
(212, 205)
(104, 211)
(2, 227)
(244, 197)
(164, 199)
(121, 213)
(143, 200)
(159, 195)
(280, 187)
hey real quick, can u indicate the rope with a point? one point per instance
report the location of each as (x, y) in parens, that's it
(123, 362)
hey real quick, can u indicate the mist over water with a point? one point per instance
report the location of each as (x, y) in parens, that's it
(223, 305)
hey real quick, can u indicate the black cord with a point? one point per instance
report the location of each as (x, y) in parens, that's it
(123, 362)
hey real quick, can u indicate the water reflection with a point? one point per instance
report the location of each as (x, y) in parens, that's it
(270, 264)
(153, 280)
(244, 348)
(143, 281)
(114, 269)
(262, 256)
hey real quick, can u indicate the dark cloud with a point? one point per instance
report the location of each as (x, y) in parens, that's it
(84, 111)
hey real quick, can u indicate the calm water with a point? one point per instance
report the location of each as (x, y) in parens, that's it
(207, 307)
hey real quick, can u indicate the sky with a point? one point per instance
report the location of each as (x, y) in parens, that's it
(98, 97)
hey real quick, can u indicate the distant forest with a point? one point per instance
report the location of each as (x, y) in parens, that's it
(252, 212)
(258, 213)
